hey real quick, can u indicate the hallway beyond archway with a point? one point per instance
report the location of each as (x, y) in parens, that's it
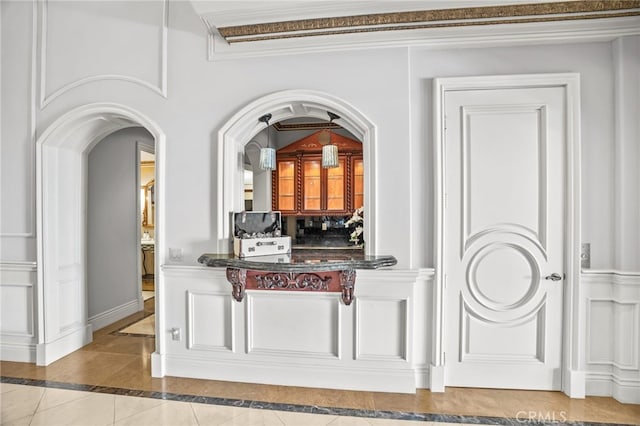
(61, 220)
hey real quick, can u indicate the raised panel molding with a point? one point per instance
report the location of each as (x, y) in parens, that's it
(209, 321)
(382, 337)
(299, 339)
(471, 234)
(535, 317)
(619, 321)
(515, 301)
(289, 324)
(47, 96)
(18, 326)
(17, 292)
(30, 210)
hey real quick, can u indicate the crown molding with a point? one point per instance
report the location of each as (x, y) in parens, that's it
(233, 13)
(497, 24)
(434, 18)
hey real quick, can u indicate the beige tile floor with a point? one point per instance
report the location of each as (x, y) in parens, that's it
(145, 326)
(124, 362)
(34, 406)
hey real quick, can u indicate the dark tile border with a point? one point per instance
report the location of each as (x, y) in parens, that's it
(297, 408)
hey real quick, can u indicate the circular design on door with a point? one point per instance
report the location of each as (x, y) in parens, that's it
(503, 276)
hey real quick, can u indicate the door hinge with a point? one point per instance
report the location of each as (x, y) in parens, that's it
(444, 358)
(445, 122)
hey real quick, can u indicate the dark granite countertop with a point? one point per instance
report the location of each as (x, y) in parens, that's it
(301, 261)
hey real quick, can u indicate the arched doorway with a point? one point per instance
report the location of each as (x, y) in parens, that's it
(244, 125)
(61, 163)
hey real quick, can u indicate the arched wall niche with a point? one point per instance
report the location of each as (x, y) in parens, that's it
(61, 176)
(244, 125)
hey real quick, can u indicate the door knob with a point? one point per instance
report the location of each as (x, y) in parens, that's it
(553, 277)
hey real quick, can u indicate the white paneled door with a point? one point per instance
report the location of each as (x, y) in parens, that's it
(504, 159)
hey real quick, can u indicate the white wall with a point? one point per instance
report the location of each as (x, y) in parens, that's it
(201, 95)
(17, 162)
(122, 57)
(593, 62)
(626, 56)
(112, 226)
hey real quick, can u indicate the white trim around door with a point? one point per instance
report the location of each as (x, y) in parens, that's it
(573, 376)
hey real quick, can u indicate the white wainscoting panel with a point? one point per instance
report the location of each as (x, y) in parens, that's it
(381, 328)
(612, 308)
(209, 321)
(291, 338)
(627, 317)
(600, 314)
(293, 324)
(17, 319)
(486, 341)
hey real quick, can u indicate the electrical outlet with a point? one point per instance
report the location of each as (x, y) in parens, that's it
(585, 256)
(175, 334)
(175, 254)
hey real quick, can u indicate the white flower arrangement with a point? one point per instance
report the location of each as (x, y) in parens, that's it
(356, 219)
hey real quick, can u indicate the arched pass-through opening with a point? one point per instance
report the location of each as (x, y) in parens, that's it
(61, 161)
(244, 125)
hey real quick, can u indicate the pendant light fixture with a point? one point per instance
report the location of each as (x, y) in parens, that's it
(330, 151)
(267, 154)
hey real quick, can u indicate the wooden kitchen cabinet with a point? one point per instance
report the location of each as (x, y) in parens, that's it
(335, 188)
(312, 183)
(301, 186)
(287, 184)
(357, 166)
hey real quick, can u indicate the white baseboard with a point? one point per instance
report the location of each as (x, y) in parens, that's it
(626, 391)
(422, 377)
(574, 384)
(115, 314)
(436, 378)
(17, 352)
(607, 384)
(46, 353)
(269, 371)
(158, 368)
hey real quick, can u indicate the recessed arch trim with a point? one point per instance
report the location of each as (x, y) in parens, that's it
(61, 187)
(283, 105)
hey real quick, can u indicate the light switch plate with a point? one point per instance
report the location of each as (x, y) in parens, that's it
(585, 256)
(175, 254)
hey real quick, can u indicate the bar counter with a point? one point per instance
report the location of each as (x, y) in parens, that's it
(302, 270)
(306, 260)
